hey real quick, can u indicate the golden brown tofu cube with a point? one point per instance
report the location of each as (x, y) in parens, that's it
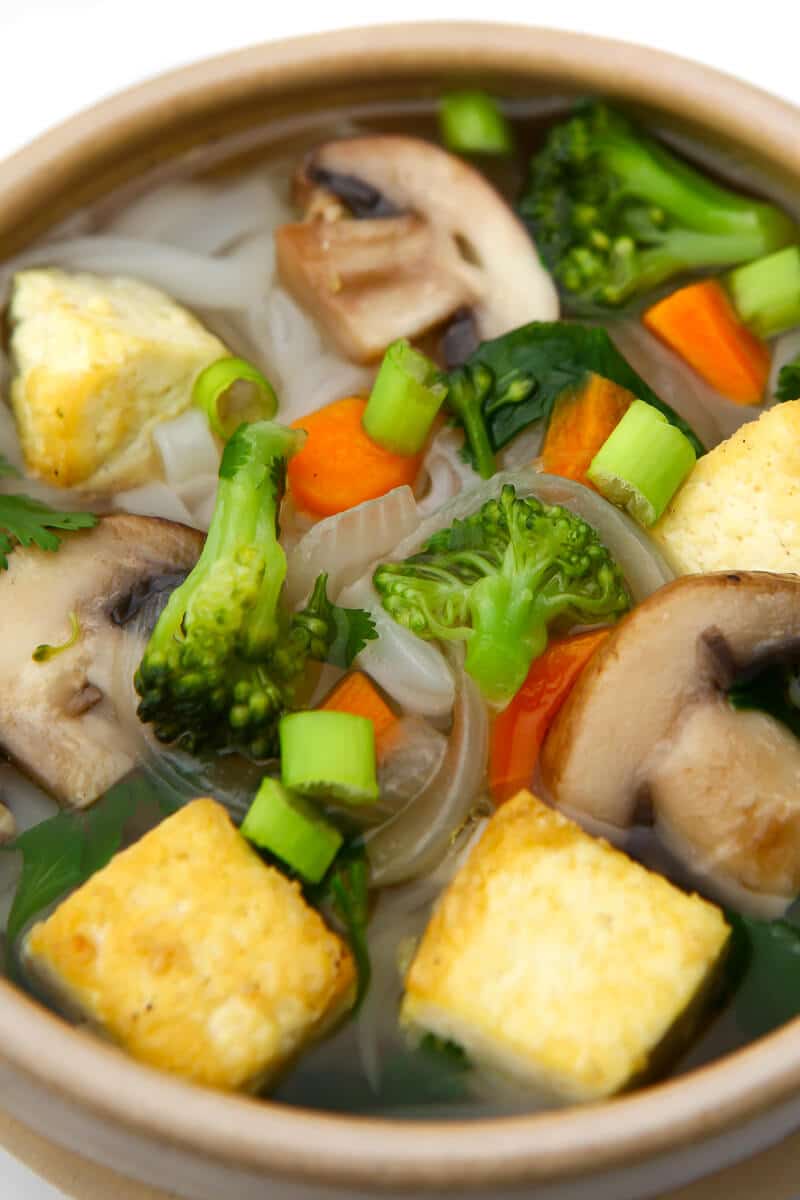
(195, 956)
(558, 959)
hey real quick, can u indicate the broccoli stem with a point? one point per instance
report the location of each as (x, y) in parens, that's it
(508, 634)
(465, 400)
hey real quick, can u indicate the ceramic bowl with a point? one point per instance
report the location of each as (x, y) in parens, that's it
(201, 1144)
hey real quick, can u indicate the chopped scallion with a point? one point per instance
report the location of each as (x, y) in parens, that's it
(289, 827)
(766, 293)
(642, 463)
(330, 756)
(405, 398)
(472, 123)
(232, 391)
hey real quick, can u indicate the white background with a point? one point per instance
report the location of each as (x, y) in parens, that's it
(59, 56)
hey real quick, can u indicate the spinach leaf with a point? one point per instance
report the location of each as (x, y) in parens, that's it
(770, 691)
(514, 381)
(63, 852)
(346, 889)
(764, 973)
(789, 382)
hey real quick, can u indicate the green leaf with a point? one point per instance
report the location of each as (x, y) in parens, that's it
(7, 469)
(789, 382)
(63, 852)
(354, 628)
(29, 521)
(764, 969)
(346, 888)
(771, 692)
(518, 377)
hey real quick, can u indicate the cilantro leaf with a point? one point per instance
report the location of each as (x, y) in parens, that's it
(29, 521)
(789, 382)
(7, 469)
(354, 628)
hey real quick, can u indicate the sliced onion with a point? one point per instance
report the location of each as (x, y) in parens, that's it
(187, 447)
(194, 279)
(413, 672)
(416, 839)
(711, 415)
(344, 545)
(413, 758)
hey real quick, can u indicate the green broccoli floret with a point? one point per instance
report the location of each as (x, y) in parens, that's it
(498, 580)
(615, 214)
(224, 658)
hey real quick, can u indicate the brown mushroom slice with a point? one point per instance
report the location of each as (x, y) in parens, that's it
(655, 682)
(57, 718)
(441, 239)
(725, 789)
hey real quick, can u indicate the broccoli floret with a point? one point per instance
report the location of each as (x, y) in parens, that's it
(498, 580)
(615, 214)
(225, 656)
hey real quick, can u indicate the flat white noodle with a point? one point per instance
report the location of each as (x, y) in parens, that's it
(414, 840)
(344, 545)
(413, 672)
(444, 473)
(155, 499)
(204, 217)
(187, 447)
(194, 279)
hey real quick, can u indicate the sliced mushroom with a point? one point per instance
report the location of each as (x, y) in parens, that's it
(57, 719)
(649, 722)
(398, 236)
(8, 826)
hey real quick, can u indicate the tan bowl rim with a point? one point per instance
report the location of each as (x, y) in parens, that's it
(367, 1152)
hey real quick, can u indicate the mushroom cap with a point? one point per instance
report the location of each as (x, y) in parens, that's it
(57, 717)
(444, 239)
(648, 721)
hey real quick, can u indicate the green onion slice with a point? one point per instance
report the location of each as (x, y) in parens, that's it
(472, 123)
(766, 293)
(642, 463)
(290, 827)
(405, 398)
(231, 391)
(329, 756)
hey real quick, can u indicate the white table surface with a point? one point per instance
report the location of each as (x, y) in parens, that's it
(59, 56)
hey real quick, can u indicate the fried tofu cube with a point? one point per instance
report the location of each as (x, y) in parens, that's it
(195, 956)
(740, 507)
(98, 363)
(557, 959)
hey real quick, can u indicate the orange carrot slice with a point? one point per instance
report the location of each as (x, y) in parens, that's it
(339, 466)
(357, 694)
(700, 324)
(582, 421)
(520, 730)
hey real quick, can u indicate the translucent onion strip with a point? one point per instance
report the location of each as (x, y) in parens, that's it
(416, 839)
(346, 544)
(411, 671)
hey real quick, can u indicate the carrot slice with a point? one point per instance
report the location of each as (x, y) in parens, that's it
(700, 324)
(357, 694)
(520, 730)
(582, 421)
(339, 466)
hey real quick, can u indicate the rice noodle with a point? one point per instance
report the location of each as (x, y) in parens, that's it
(346, 544)
(154, 499)
(444, 472)
(415, 840)
(187, 447)
(194, 279)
